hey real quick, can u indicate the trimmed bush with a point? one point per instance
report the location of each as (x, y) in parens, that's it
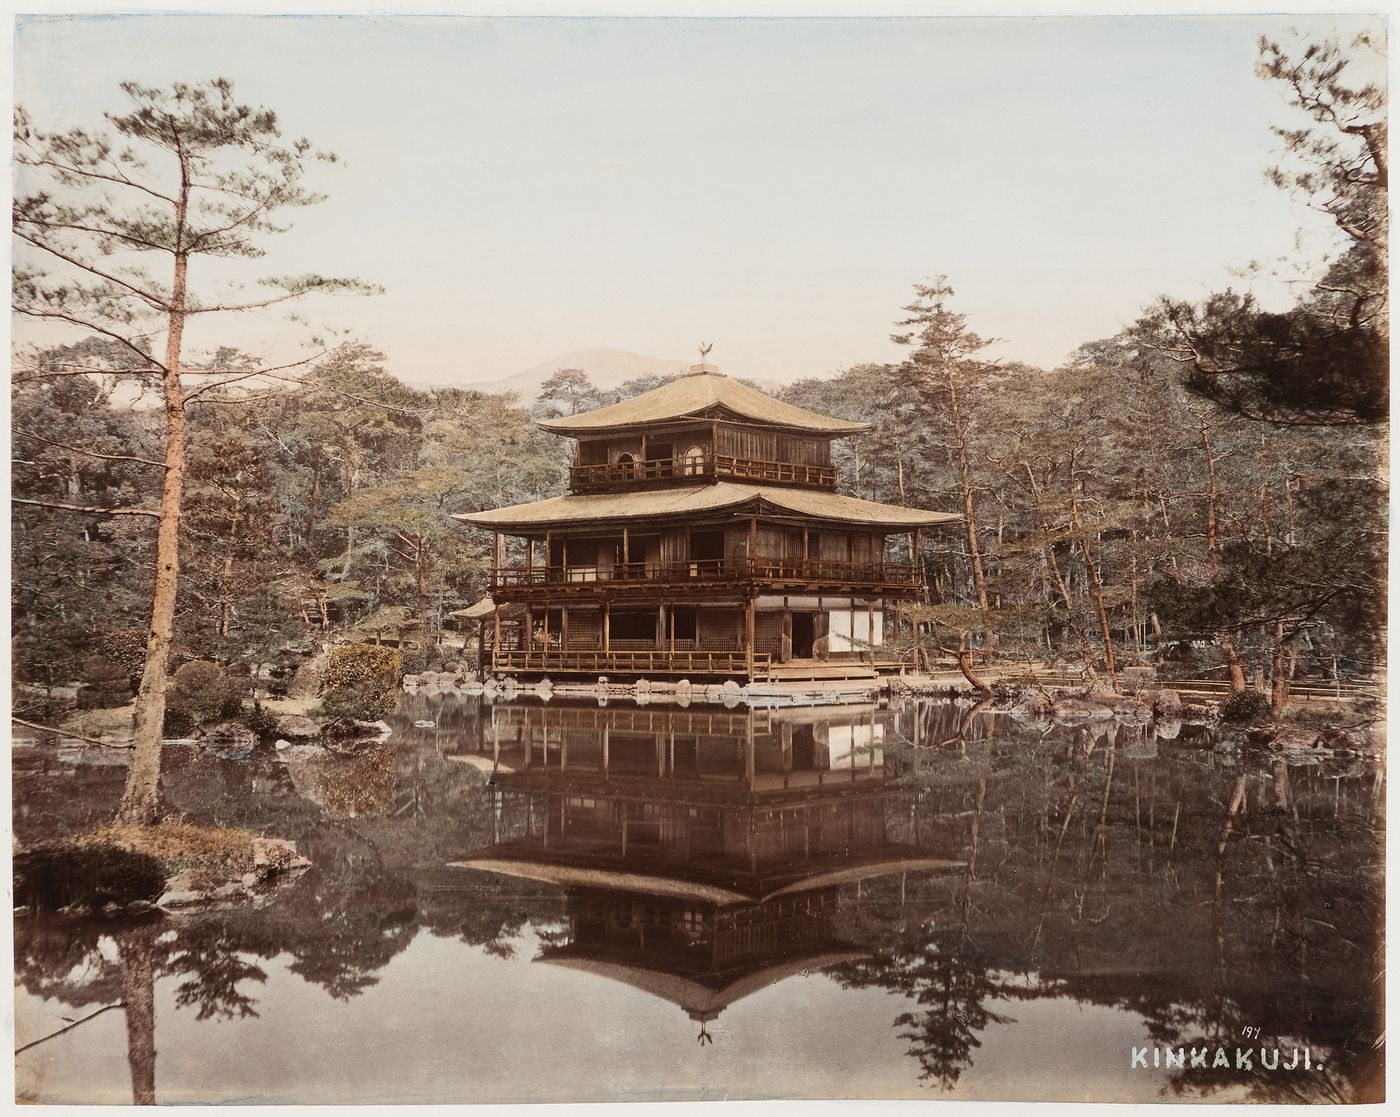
(1248, 707)
(361, 681)
(204, 691)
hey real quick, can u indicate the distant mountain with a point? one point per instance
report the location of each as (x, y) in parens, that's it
(606, 368)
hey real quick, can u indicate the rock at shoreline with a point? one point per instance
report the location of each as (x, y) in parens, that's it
(298, 727)
(1165, 703)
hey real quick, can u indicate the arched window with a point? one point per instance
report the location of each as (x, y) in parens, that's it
(693, 461)
(627, 465)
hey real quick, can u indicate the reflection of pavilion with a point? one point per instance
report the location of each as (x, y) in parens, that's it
(702, 851)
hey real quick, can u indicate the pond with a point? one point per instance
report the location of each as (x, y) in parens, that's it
(559, 901)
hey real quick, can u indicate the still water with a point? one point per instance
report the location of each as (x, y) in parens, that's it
(555, 902)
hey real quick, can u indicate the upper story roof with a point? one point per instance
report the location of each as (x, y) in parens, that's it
(577, 510)
(702, 389)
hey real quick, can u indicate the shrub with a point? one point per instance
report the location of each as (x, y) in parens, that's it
(414, 661)
(179, 722)
(361, 681)
(261, 721)
(431, 658)
(1247, 706)
(107, 684)
(204, 691)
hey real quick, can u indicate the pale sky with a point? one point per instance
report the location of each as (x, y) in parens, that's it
(523, 188)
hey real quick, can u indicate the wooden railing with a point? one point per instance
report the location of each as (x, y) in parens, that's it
(583, 581)
(653, 662)
(793, 473)
(607, 475)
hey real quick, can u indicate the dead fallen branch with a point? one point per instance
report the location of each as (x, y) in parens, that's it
(70, 733)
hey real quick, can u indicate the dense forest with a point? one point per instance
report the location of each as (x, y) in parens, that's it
(1202, 491)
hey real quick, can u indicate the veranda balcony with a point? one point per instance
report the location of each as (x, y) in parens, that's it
(621, 475)
(703, 577)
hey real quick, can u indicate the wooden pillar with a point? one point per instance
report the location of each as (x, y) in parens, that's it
(496, 634)
(607, 623)
(546, 626)
(660, 638)
(870, 625)
(786, 646)
(671, 616)
(548, 547)
(481, 650)
(643, 455)
(749, 636)
(806, 542)
(625, 556)
(563, 628)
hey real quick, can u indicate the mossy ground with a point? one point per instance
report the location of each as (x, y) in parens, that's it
(212, 854)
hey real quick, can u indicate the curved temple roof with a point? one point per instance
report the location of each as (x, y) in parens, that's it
(699, 390)
(699, 499)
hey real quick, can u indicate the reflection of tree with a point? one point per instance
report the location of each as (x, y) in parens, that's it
(135, 947)
(350, 931)
(210, 957)
(1199, 891)
(941, 971)
(475, 912)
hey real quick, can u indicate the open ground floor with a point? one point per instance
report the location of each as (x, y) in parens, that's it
(765, 636)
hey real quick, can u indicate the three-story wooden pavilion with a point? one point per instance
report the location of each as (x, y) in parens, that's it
(702, 536)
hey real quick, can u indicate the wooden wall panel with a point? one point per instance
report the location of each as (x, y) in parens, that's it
(720, 629)
(585, 628)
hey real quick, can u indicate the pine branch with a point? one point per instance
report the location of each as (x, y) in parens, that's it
(94, 453)
(88, 508)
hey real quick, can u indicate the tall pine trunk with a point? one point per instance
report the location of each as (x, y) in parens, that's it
(1095, 592)
(140, 802)
(964, 467)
